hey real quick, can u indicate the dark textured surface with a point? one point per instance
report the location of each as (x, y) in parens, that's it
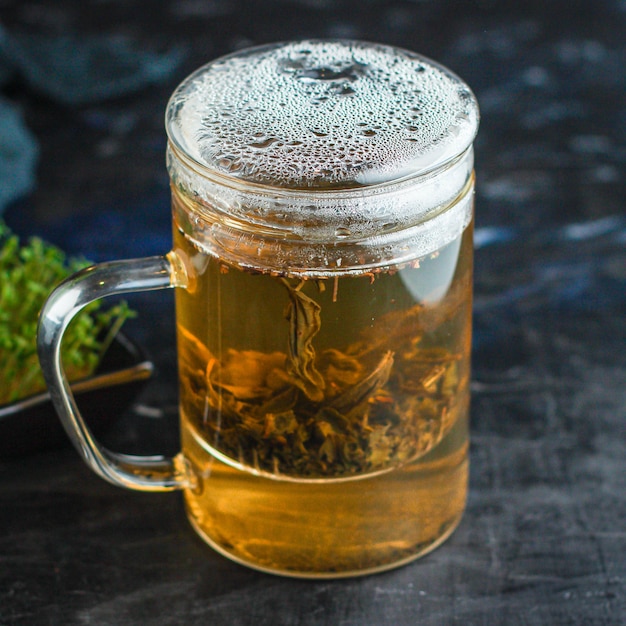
(543, 540)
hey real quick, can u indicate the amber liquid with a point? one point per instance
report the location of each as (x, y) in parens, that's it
(336, 522)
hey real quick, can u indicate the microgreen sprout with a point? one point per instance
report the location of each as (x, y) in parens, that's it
(28, 273)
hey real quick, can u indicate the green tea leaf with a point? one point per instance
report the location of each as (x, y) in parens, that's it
(355, 396)
(304, 323)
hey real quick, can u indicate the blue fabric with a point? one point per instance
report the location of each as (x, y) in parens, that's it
(76, 70)
(18, 155)
(72, 71)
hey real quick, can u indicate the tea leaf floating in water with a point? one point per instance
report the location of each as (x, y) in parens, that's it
(304, 323)
(333, 414)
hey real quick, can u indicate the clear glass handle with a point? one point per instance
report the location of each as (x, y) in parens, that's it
(145, 473)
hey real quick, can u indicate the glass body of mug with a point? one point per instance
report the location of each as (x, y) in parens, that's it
(324, 410)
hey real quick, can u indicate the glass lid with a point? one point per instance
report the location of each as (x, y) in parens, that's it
(322, 115)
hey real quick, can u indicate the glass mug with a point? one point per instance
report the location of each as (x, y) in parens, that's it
(322, 200)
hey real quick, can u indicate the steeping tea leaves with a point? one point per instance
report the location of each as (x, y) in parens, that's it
(376, 404)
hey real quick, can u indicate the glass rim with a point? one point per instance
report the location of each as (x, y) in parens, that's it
(340, 193)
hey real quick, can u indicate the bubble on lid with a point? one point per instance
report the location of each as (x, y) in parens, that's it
(342, 233)
(321, 114)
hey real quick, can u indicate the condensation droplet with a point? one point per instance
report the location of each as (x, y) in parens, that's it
(264, 144)
(342, 233)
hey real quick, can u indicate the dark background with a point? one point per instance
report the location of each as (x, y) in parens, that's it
(543, 540)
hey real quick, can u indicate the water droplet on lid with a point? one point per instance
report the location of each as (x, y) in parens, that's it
(319, 100)
(260, 145)
(313, 74)
(344, 90)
